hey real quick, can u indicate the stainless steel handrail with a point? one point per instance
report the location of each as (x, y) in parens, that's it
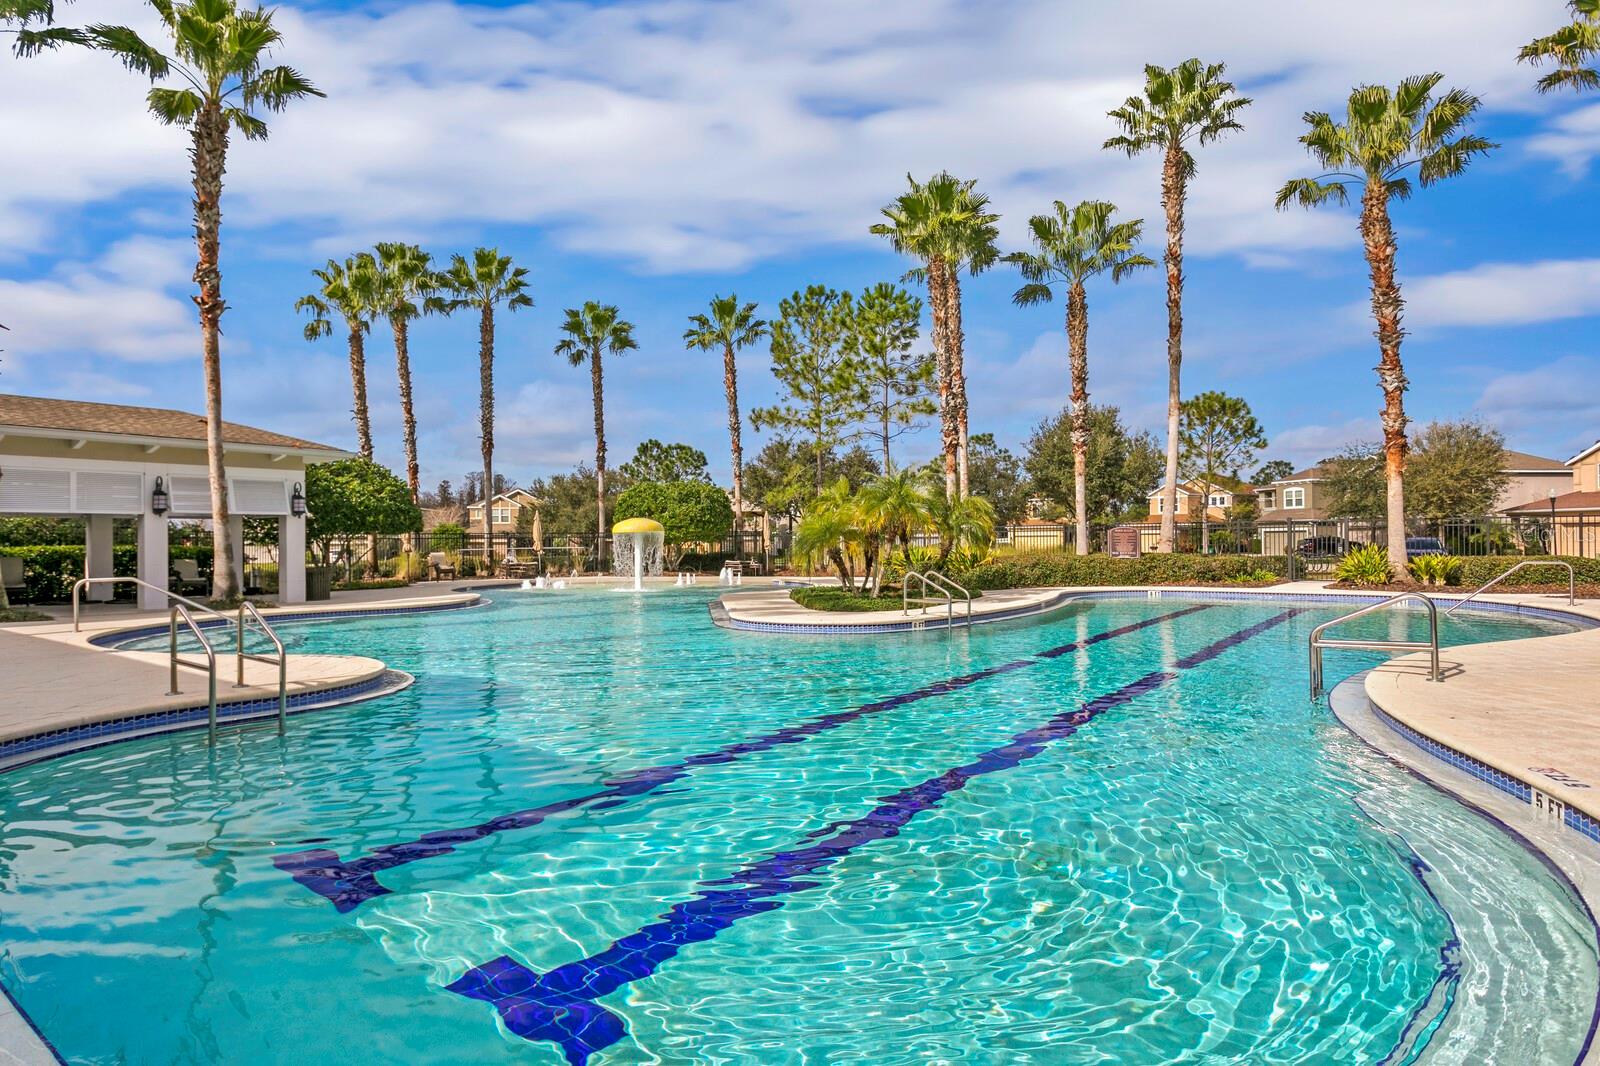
(937, 581)
(1572, 583)
(188, 607)
(209, 666)
(1317, 643)
(282, 658)
(83, 582)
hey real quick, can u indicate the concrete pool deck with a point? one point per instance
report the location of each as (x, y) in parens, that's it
(53, 678)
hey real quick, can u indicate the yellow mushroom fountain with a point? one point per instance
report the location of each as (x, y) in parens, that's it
(636, 549)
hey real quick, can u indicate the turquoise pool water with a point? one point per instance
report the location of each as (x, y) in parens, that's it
(600, 829)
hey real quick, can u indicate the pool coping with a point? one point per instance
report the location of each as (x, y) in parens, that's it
(1571, 857)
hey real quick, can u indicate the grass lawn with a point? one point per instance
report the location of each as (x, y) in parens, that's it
(834, 598)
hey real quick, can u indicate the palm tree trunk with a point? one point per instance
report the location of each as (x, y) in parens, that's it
(1172, 194)
(1378, 236)
(937, 276)
(358, 386)
(1078, 361)
(210, 160)
(956, 341)
(486, 419)
(408, 418)
(730, 383)
(597, 378)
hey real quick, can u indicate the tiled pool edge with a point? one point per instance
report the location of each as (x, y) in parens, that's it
(721, 617)
(1567, 852)
(37, 747)
(116, 637)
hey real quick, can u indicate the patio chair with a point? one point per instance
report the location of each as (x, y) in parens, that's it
(14, 576)
(440, 567)
(185, 577)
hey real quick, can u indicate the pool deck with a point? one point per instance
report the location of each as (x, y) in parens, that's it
(53, 678)
(772, 610)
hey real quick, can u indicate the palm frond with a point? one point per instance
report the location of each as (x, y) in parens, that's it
(135, 53)
(1033, 293)
(1449, 160)
(1310, 192)
(31, 42)
(175, 107)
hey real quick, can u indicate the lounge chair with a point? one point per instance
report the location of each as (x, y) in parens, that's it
(14, 576)
(440, 567)
(185, 577)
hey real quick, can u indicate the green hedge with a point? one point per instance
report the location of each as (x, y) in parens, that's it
(1482, 568)
(1057, 568)
(52, 569)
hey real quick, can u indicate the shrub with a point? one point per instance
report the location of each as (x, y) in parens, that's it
(832, 598)
(1058, 568)
(447, 537)
(1366, 565)
(1479, 569)
(52, 569)
(1436, 570)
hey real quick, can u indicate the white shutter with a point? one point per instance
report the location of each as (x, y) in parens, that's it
(258, 497)
(190, 496)
(35, 491)
(103, 493)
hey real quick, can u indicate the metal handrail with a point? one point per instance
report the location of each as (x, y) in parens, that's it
(1317, 643)
(282, 658)
(209, 666)
(188, 607)
(1572, 583)
(168, 593)
(935, 580)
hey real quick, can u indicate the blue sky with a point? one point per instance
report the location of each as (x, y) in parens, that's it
(650, 154)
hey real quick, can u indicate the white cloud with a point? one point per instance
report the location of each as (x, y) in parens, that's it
(1572, 137)
(123, 305)
(1305, 445)
(1504, 294)
(679, 134)
(1541, 399)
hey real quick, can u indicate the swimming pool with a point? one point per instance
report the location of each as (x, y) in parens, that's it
(598, 828)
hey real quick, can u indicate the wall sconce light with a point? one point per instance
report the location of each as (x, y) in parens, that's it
(297, 502)
(158, 498)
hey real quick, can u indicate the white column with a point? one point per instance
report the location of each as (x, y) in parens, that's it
(153, 561)
(291, 559)
(236, 534)
(97, 555)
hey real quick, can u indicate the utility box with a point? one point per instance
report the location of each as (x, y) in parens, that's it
(1123, 542)
(319, 582)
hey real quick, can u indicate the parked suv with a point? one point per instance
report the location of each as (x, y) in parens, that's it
(1424, 546)
(1322, 547)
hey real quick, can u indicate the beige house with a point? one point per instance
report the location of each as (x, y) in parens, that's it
(1579, 496)
(1533, 478)
(101, 462)
(1296, 498)
(1216, 498)
(505, 509)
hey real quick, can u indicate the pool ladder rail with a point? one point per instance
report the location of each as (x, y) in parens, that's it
(1431, 645)
(933, 581)
(1572, 583)
(184, 610)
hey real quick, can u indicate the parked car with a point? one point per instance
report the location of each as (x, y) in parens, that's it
(1322, 547)
(1416, 546)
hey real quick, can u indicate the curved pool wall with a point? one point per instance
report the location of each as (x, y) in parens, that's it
(1191, 862)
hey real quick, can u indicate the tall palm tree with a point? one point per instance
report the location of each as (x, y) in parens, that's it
(730, 326)
(217, 49)
(1383, 136)
(945, 222)
(350, 290)
(485, 282)
(1076, 244)
(1190, 103)
(1573, 49)
(592, 330)
(408, 286)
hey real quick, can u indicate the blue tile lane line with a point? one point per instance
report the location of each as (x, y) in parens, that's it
(560, 1005)
(349, 884)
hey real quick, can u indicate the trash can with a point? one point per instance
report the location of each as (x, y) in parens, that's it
(319, 582)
